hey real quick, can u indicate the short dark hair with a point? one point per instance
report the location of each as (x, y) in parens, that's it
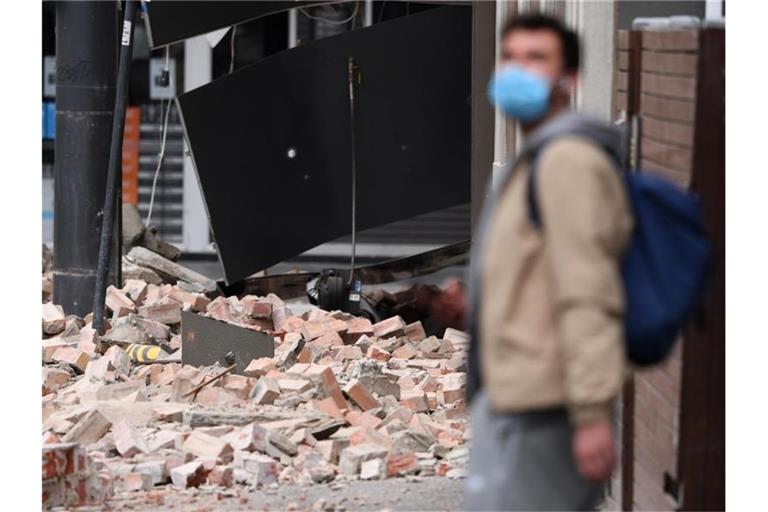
(568, 38)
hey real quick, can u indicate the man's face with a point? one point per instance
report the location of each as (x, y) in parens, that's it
(536, 51)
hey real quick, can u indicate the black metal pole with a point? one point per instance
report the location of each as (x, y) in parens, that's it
(113, 178)
(86, 46)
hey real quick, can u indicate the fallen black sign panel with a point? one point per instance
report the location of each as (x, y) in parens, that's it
(169, 22)
(271, 142)
(205, 341)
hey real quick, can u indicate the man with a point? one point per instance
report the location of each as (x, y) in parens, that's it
(547, 358)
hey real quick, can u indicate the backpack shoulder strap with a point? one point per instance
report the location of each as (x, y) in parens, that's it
(534, 214)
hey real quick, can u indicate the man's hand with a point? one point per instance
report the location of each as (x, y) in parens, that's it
(450, 305)
(594, 450)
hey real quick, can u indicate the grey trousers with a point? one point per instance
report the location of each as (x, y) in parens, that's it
(524, 462)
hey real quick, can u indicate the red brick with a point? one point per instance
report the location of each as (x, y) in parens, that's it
(391, 327)
(222, 476)
(359, 395)
(259, 367)
(191, 474)
(357, 327)
(168, 313)
(135, 290)
(54, 319)
(400, 464)
(132, 482)
(64, 459)
(189, 300)
(118, 302)
(127, 440)
(378, 354)
(73, 356)
(207, 446)
(328, 406)
(329, 339)
(405, 352)
(324, 378)
(256, 308)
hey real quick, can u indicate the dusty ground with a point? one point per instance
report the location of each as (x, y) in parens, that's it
(432, 493)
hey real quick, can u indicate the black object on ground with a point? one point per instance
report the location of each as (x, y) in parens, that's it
(205, 341)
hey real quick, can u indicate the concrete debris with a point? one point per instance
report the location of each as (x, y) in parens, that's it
(341, 399)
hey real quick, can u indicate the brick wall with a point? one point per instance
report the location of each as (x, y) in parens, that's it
(661, 84)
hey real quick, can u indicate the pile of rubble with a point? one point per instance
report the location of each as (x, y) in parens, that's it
(341, 399)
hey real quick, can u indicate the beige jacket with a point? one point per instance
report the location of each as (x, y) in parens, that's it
(551, 326)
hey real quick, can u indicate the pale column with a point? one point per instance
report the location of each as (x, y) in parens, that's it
(197, 72)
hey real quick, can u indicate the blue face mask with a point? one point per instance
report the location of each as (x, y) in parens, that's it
(519, 94)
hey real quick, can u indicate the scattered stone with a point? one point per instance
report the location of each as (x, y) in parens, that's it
(391, 327)
(191, 474)
(54, 319)
(359, 395)
(89, 429)
(352, 458)
(266, 391)
(203, 445)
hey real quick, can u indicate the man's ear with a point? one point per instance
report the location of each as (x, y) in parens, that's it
(568, 83)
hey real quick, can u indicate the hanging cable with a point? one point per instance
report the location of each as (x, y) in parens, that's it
(351, 79)
(232, 49)
(332, 22)
(162, 142)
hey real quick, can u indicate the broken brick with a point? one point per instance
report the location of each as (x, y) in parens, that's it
(222, 476)
(54, 319)
(168, 313)
(405, 352)
(191, 474)
(135, 290)
(256, 308)
(263, 468)
(414, 399)
(89, 429)
(265, 391)
(347, 352)
(429, 345)
(357, 327)
(328, 406)
(391, 327)
(73, 356)
(118, 302)
(414, 331)
(204, 445)
(359, 395)
(378, 354)
(251, 437)
(259, 367)
(128, 441)
(352, 457)
(132, 482)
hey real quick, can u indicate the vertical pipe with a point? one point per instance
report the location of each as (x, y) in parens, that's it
(86, 45)
(113, 178)
(293, 29)
(368, 13)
